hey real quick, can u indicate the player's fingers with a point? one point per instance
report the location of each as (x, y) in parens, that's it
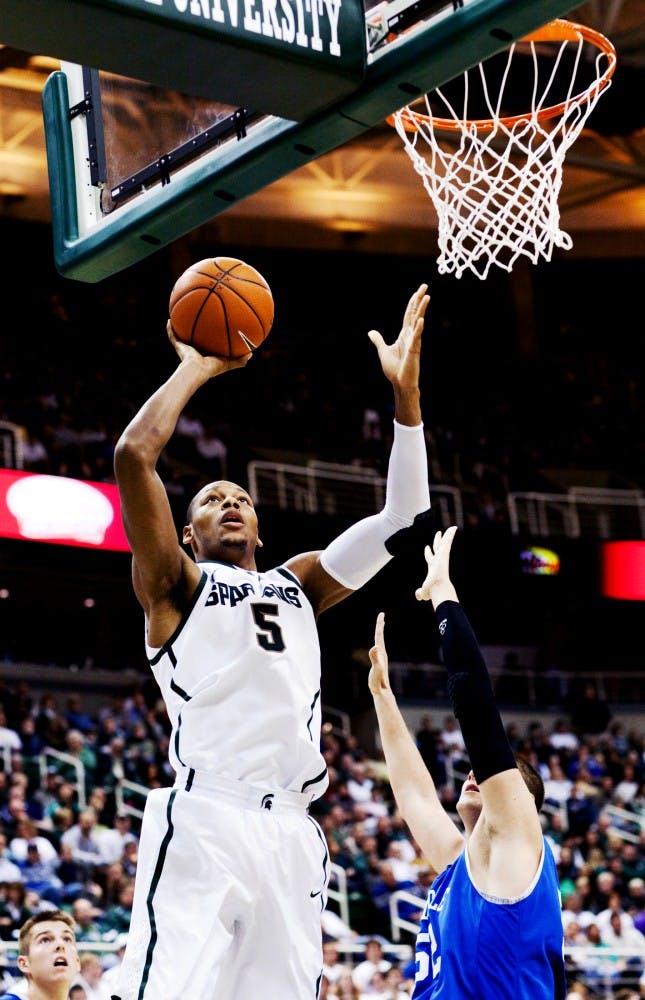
(437, 542)
(240, 362)
(449, 536)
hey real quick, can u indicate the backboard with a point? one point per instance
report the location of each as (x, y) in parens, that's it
(207, 154)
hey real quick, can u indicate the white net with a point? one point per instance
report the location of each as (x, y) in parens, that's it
(495, 182)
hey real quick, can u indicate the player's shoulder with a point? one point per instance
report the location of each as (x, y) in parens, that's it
(10, 996)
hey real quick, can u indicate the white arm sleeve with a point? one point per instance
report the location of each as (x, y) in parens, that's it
(359, 553)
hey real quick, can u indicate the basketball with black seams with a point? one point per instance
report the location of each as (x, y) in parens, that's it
(221, 306)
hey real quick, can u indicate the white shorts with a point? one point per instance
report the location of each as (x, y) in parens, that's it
(230, 886)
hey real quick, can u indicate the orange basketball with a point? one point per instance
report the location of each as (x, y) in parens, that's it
(221, 306)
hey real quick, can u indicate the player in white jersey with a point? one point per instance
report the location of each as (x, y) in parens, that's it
(232, 873)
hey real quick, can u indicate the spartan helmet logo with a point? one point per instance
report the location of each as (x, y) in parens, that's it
(267, 800)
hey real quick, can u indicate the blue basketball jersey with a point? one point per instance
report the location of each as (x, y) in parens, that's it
(476, 947)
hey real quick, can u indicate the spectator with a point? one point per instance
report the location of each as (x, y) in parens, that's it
(9, 870)
(77, 746)
(333, 968)
(109, 979)
(84, 840)
(395, 984)
(450, 738)
(582, 811)
(40, 875)
(35, 457)
(359, 782)
(73, 874)
(562, 737)
(50, 725)
(47, 794)
(65, 797)
(76, 718)
(9, 738)
(117, 917)
(345, 988)
(98, 800)
(130, 857)
(87, 919)
(374, 961)
(590, 714)
(113, 875)
(621, 933)
(13, 812)
(61, 820)
(15, 909)
(557, 787)
(90, 976)
(573, 911)
(636, 902)
(574, 935)
(32, 744)
(213, 452)
(428, 741)
(27, 835)
(600, 968)
(114, 839)
(626, 789)
(633, 861)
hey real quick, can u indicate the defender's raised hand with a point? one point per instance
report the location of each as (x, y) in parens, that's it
(379, 678)
(437, 585)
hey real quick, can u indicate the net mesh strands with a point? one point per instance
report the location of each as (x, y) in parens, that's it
(495, 181)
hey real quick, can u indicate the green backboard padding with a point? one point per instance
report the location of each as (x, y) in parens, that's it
(429, 58)
(200, 56)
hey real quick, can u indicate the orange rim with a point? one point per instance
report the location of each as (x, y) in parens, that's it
(556, 31)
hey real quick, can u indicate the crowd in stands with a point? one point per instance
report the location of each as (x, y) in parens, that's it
(70, 846)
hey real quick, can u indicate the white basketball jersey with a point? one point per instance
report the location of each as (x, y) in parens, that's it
(241, 681)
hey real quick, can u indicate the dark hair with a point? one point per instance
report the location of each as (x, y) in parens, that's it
(532, 780)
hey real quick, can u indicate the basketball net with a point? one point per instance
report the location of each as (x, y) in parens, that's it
(496, 193)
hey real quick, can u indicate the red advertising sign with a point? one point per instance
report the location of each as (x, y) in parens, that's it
(61, 511)
(623, 570)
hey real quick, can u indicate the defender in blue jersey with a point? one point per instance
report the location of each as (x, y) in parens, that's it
(47, 956)
(492, 924)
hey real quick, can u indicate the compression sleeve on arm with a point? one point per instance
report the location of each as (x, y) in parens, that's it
(471, 694)
(360, 552)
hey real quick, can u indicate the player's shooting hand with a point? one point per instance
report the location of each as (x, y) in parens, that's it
(212, 365)
(400, 361)
(438, 560)
(379, 678)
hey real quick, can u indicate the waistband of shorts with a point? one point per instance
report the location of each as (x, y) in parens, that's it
(242, 794)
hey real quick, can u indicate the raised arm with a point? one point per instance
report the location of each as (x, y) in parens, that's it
(507, 841)
(412, 784)
(160, 566)
(360, 552)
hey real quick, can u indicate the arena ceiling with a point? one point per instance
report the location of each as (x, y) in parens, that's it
(366, 194)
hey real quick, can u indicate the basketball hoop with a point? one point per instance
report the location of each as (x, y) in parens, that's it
(496, 192)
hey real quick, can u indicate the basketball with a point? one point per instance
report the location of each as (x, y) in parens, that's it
(221, 306)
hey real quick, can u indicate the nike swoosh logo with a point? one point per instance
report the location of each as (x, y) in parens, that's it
(313, 894)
